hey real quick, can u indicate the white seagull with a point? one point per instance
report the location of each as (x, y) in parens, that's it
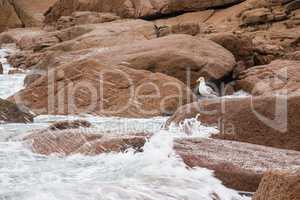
(205, 90)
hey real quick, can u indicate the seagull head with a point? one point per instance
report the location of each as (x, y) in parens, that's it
(201, 80)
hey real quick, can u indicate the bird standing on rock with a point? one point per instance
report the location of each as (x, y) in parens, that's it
(205, 90)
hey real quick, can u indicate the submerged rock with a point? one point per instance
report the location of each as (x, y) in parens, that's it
(89, 142)
(11, 113)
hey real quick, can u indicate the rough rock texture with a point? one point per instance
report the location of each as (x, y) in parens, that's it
(103, 35)
(8, 16)
(23, 13)
(279, 185)
(238, 165)
(263, 15)
(84, 17)
(132, 8)
(68, 142)
(240, 46)
(11, 113)
(281, 76)
(262, 120)
(188, 23)
(81, 36)
(31, 12)
(90, 87)
(15, 35)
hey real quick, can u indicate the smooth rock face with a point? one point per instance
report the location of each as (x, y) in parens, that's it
(238, 165)
(11, 113)
(106, 90)
(279, 185)
(250, 119)
(281, 76)
(173, 55)
(132, 8)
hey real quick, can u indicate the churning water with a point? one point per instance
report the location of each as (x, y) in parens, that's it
(155, 174)
(9, 84)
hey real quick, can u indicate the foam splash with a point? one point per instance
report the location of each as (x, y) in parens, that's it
(9, 84)
(156, 173)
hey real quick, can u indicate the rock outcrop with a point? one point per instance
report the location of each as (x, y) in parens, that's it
(238, 165)
(90, 87)
(269, 121)
(132, 8)
(11, 113)
(23, 13)
(8, 16)
(31, 12)
(280, 76)
(279, 185)
(84, 17)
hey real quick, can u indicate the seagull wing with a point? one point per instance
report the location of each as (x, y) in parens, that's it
(211, 91)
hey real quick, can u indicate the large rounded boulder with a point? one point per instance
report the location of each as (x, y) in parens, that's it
(271, 121)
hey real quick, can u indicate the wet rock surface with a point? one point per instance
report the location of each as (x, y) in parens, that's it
(280, 76)
(270, 121)
(238, 165)
(251, 45)
(10, 112)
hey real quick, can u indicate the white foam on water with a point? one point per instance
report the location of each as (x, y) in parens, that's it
(156, 173)
(9, 84)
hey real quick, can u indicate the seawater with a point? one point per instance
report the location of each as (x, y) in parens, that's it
(157, 173)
